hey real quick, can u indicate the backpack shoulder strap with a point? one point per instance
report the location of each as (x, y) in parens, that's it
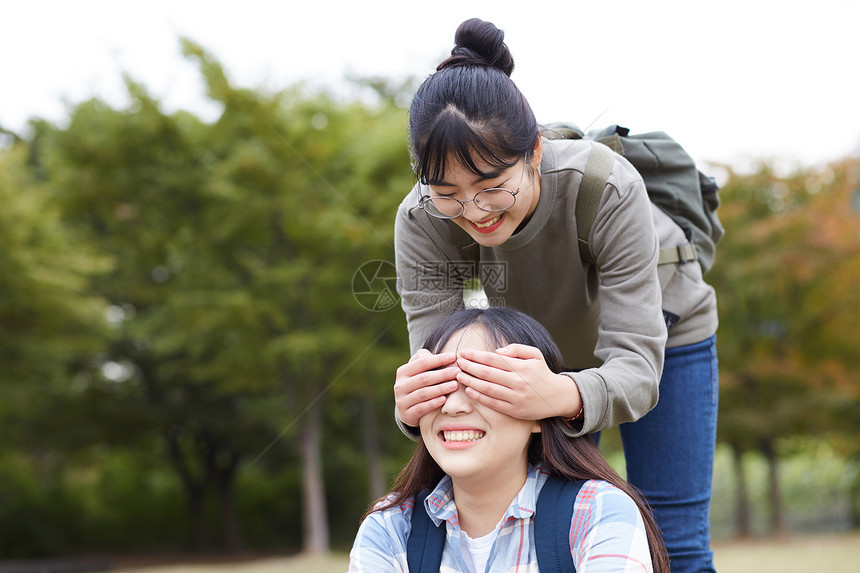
(426, 540)
(553, 515)
(594, 178)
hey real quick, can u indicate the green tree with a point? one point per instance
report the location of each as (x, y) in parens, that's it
(51, 325)
(48, 317)
(129, 179)
(784, 265)
(309, 186)
(235, 245)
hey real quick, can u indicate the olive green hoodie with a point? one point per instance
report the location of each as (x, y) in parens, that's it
(609, 324)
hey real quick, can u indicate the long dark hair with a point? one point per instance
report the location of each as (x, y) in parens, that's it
(470, 109)
(560, 455)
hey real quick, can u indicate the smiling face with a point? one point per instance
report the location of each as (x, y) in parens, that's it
(491, 229)
(471, 441)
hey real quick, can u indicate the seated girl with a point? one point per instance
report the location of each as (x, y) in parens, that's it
(485, 470)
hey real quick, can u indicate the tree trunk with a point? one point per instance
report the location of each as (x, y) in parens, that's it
(372, 453)
(224, 479)
(195, 486)
(854, 497)
(854, 508)
(777, 518)
(743, 525)
(315, 518)
(195, 491)
(197, 513)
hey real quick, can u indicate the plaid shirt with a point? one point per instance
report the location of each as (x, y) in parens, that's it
(606, 533)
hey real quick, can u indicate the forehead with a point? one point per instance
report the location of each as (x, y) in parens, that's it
(458, 172)
(472, 337)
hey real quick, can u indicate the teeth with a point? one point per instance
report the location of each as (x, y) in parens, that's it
(463, 436)
(488, 223)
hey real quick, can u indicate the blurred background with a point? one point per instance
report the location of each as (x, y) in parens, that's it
(198, 328)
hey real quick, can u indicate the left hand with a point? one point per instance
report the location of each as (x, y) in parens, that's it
(516, 381)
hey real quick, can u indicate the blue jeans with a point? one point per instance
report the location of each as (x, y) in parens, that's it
(670, 454)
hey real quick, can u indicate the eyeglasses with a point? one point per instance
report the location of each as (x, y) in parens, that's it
(491, 200)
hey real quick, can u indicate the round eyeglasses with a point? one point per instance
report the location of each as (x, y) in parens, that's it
(491, 200)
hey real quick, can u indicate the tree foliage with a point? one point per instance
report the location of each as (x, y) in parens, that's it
(786, 275)
(223, 255)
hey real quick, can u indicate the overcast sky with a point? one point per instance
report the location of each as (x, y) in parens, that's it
(733, 80)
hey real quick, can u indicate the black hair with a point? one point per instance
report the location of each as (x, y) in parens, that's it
(470, 110)
(503, 326)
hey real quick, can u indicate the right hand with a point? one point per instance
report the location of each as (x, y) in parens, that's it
(423, 383)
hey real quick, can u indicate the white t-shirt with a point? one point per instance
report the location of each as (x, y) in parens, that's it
(476, 552)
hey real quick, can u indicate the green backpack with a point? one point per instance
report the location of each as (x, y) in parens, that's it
(673, 182)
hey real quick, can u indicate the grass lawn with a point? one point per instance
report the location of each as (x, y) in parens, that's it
(334, 563)
(830, 554)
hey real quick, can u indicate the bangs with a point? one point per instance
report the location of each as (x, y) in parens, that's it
(460, 321)
(501, 326)
(454, 138)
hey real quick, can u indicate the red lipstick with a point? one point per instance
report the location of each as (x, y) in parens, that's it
(491, 228)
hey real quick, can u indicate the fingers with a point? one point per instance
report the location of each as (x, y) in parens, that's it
(410, 390)
(481, 362)
(412, 415)
(421, 354)
(426, 386)
(522, 351)
(514, 380)
(486, 391)
(424, 360)
(412, 405)
(503, 358)
(498, 405)
(422, 384)
(491, 366)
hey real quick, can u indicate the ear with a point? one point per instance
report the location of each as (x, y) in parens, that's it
(537, 156)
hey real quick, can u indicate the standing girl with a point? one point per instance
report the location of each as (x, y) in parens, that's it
(485, 470)
(496, 200)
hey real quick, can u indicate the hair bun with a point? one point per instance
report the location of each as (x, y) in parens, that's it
(480, 43)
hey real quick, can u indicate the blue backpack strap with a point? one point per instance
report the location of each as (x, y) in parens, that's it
(553, 515)
(426, 540)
